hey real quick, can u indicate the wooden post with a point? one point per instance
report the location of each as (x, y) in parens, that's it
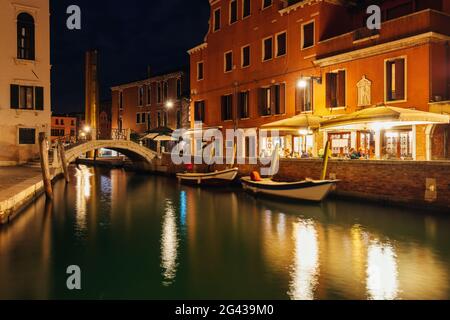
(62, 157)
(325, 159)
(45, 165)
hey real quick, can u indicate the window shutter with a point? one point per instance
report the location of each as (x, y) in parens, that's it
(282, 97)
(223, 107)
(400, 79)
(341, 89)
(273, 96)
(261, 101)
(389, 95)
(39, 96)
(14, 96)
(331, 90)
(298, 99)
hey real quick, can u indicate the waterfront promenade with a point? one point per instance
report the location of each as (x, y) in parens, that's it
(19, 186)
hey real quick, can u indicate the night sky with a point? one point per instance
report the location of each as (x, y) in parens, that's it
(129, 35)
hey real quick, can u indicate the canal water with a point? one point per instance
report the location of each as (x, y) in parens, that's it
(145, 237)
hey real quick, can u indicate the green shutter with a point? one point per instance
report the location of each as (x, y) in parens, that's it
(39, 96)
(14, 96)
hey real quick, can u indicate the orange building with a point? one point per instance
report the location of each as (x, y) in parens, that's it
(63, 126)
(268, 60)
(156, 102)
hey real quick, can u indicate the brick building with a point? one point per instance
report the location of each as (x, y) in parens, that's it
(268, 60)
(63, 126)
(158, 101)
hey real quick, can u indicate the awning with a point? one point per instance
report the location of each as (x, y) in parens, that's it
(164, 138)
(302, 121)
(384, 117)
(160, 131)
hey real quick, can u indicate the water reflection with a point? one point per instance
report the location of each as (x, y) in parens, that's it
(306, 261)
(169, 244)
(83, 193)
(183, 207)
(382, 271)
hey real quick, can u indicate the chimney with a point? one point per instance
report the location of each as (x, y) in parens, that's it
(149, 71)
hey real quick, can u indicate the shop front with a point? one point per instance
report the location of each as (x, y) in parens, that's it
(296, 137)
(387, 133)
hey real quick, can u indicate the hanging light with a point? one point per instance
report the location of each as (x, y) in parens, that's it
(302, 83)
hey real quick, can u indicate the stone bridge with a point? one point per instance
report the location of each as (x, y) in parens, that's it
(133, 150)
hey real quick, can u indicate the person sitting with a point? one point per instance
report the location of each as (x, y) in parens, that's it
(354, 155)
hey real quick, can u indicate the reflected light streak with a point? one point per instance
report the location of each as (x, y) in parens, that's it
(169, 244)
(183, 207)
(306, 265)
(382, 272)
(83, 192)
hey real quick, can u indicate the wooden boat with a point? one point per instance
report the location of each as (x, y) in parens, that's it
(217, 178)
(308, 189)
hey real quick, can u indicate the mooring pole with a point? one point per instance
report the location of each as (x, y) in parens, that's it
(325, 160)
(43, 150)
(62, 157)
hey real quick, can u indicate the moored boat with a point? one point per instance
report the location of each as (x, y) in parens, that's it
(218, 178)
(308, 189)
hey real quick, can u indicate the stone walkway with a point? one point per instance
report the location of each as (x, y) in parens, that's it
(19, 186)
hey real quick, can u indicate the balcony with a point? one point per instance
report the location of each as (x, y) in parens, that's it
(392, 30)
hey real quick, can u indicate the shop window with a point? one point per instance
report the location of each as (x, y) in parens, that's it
(398, 144)
(340, 143)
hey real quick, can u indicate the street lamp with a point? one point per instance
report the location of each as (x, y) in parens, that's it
(169, 104)
(302, 83)
(87, 129)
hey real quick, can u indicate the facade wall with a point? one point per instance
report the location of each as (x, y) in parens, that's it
(62, 126)
(341, 43)
(131, 107)
(14, 71)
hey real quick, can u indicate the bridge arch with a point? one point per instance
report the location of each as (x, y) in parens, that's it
(131, 149)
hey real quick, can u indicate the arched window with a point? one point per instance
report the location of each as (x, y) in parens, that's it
(25, 36)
